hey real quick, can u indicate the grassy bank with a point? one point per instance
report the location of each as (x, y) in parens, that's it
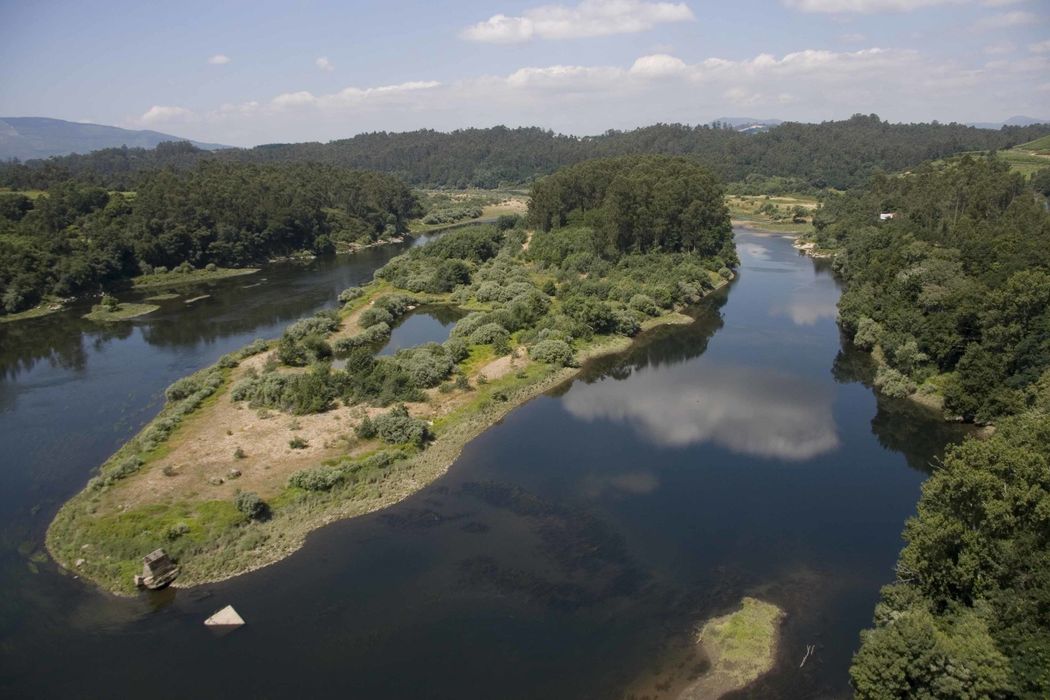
(773, 214)
(45, 309)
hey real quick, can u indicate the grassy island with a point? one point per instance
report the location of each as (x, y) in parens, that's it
(183, 276)
(280, 438)
(122, 311)
(725, 654)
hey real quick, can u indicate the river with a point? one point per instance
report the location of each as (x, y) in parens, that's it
(569, 551)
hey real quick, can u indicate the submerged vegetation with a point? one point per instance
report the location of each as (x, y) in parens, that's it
(539, 301)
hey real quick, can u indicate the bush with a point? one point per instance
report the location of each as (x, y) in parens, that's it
(397, 427)
(427, 365)
(211, 267)
(250, 505)
(349, 294)
(366, 429)
(644, 304)
(489, 334)
(317, 479)
(552, 352)
(298, 443)
(892, 383)
(869, 334)
(375, 315)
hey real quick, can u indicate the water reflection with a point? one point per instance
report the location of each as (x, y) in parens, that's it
(747, 410)
(806, 307)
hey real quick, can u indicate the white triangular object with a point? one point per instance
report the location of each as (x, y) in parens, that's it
(227, 617)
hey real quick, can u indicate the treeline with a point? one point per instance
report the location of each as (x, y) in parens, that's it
(952, 295)
(78, 237)
(837, 154)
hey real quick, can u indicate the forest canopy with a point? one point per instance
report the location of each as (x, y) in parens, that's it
(637, 204)
(77, 237)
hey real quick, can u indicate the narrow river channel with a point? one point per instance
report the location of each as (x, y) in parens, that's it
(568, 552)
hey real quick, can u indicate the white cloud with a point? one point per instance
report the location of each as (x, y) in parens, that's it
(219, 59)
(1017, 18)
(165, 114)
(863, 6)
(1041, 47)
(658, 65)
(806, 85)
(852, 38)
(324, 64)
(588, 19)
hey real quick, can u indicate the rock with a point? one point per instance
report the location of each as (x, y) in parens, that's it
(216, 481)
(227, 617)
(234, 473)
(79, 563)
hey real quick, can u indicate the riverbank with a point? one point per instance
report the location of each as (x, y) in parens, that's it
(177, 490)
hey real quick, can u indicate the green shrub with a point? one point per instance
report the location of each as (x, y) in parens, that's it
(250, 505)
(552, 352)
(892, 383)
(349, 294)
(397, 427)
(298, 443)
(489, 334)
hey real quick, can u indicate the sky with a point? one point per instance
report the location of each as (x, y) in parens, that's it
(249, 72)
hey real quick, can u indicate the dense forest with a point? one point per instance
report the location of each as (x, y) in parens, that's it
(79, 237)
(837, 154)
(952, 296)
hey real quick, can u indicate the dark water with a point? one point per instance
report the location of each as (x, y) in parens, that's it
(560, 555)
(427, 324)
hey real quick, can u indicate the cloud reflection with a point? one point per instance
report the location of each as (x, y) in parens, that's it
(747, 410)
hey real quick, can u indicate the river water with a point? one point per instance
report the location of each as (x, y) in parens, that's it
(568, 553)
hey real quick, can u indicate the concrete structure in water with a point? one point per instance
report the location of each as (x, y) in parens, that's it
(158, 570)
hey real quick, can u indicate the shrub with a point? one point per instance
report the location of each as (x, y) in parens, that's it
(298, 443)
(366, 429)
(869, 334)
(211, 267)
(643, 303)
(250, 505)
(489, 334)
(397, 427)
(375, 315)
(426, 365)
(892, 383)
(317, 479)
(552, 352)
(349, 294)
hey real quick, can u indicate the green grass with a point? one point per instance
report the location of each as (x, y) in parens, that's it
(123, 312)
(743, 644)
(44, 309)
(172, 279)
(1039, 145)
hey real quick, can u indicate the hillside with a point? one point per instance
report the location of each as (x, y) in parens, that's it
(26, 138)
(837, 154)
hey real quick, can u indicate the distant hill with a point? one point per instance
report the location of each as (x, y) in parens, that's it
(40, 137)
(1012, 121)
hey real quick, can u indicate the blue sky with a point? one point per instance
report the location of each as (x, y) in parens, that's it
(255, 72)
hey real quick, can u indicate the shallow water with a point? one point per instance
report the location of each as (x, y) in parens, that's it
(558, 557)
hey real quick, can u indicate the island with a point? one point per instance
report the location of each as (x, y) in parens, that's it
(285, 436)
